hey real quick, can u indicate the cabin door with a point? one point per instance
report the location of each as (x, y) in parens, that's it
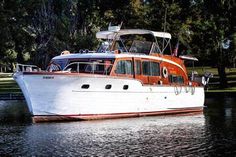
(138, 71)
(147, 71)
(152, 70)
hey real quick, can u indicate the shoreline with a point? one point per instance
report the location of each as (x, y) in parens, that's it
(220, 93)
(12, 96)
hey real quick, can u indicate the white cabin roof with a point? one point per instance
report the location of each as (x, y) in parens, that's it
(113, 34)
(191, 58)
(113, 56)
(100, 55)
(86, 55)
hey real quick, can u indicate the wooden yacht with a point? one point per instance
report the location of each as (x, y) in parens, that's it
(133, 73)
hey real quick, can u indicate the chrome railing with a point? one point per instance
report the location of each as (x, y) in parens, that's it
(26, 68)
(204, 80)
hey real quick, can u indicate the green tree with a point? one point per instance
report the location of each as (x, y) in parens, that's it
(15, 40)
(36, 31)
(219, 25)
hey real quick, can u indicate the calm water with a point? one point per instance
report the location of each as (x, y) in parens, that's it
(212, 133)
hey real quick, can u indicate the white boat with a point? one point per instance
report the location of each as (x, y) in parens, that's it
(125, 77)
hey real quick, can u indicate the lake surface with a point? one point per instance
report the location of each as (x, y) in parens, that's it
(212, 133)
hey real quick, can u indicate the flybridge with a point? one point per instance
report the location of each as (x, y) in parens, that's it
(142, 41)
(116, 34)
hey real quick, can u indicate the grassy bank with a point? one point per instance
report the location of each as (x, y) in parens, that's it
(8, 85)
(214, 82)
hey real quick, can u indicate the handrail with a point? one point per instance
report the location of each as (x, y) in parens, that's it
(92, 66)
(203, 80)
(26, 68)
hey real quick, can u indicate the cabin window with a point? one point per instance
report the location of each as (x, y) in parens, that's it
(150, 68)
(108, 86)
(97, 66)
(94, 67)
(61, 62)
(52, 67)
(138, 67)
(124, 67)
(180, 79)
(176, 79)
(125, 87)
(72, 68)
(146, 68)
(85, 86)
(155, 69)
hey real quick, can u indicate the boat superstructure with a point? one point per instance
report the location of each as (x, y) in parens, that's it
(128, 75)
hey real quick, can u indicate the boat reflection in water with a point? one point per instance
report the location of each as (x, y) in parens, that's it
(209, 134)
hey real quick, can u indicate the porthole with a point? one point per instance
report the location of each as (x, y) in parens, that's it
(125, 87)
(108, 86)
(85, 86)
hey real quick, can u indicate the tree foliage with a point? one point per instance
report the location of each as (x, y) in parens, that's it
(35, 31)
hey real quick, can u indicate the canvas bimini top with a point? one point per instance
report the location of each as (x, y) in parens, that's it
(116, 34)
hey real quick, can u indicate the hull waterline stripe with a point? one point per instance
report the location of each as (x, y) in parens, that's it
(46, 118)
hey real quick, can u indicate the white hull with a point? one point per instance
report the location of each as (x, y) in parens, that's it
(61, 95)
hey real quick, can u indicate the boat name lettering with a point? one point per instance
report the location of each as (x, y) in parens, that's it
(48, 77)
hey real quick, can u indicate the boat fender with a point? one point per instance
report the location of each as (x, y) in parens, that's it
(187, 89)
(164, 72)
(204, 82)
(192, 90)
(180, 89)
(177, 91)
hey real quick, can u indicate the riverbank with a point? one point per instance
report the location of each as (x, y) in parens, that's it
(213, 86)
(7, 84)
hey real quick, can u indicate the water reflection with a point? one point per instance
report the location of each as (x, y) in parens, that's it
(14, 111)
(137, 136)
(221, 126)
(208, 134)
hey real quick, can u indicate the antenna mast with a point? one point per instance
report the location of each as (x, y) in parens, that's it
(165, 20)
(163, 41)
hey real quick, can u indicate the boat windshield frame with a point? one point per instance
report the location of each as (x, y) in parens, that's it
(160, 43)
(89, 68)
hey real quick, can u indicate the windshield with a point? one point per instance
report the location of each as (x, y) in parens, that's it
(94, 66)
(134, 43)
(104, 47)
(141, 47)
(57, 64)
